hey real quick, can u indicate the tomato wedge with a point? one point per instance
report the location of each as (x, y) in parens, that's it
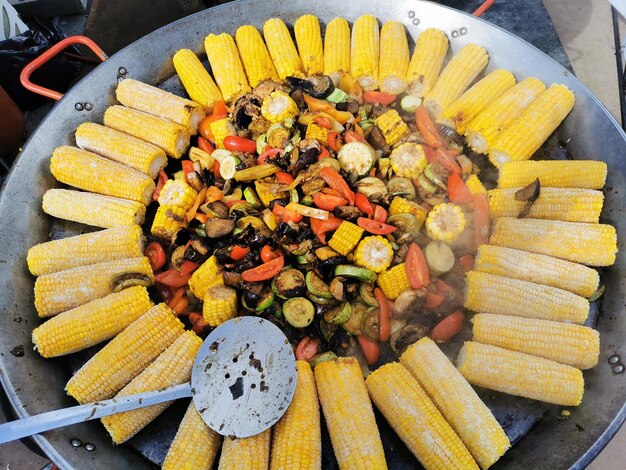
(265, 271)
(283, 214)
(160, 183)
(327, 201)
(283, 177)
(371, 350)
(427, 128)
(234, 143)
(156, 255)
(324, 153)
(372, 226)
(449, 327)
(384, 316)
(363, 204)
(205, 145)
(239, 252)
(380, 214)
(321, 227)
(323, 122)
(268, 253)
(481, 219)
(416, 267)
(179, 301)
(172, 278)
(467, 262)
(267, 154)
(433, 300)
(448, 160)
(307, 348)
(458, 192)
(336, 181)
(378, 97)
(187, 267)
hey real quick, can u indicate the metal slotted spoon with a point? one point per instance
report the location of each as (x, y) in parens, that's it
(242, 382)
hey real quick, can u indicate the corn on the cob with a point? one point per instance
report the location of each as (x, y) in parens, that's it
(317, 132)
(475, 185)
(400, 205)
(456, 77)
(172, 367)
(575, 345)
(278, 106)
(83, 250)
(416, 420)
(226, 65)
(520, 374)
(297, 440)
(408, 160)
(250, 453)
(126, 355)
(265, 193)
(195, 445)
(445, 222)
(206, 276)
(92, 209)
(254, 56)
(168, 220)
(172, 138)
(122, 148)
(482, 131)
(177, 193)
(454, 397)
(345, 238)
(523, 137)
(392, 126)
(337, 48)
(540, 269)
(430, 50)
(91, 172)
(394, 281)
(349, 415)
(554, 173)
(64, 290)
(197, 82)
(137, 95)
(365, 45)
(309, 41)
(461, 111)
(92, 323)
(497, 294)
(590, 244)
(394, 58)
(220, 305)
(282, 49)
(569, 204)
(374, 253)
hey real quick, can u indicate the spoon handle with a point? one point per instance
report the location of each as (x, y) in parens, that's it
(76, 414)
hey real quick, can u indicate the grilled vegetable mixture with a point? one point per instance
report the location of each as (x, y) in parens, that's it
(335, 187)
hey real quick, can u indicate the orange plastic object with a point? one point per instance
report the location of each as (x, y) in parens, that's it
(484, 7)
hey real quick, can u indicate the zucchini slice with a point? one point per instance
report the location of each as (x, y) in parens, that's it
(354, 272)
(339, 314)
(321, 300)
(353, 325)
(299, 312)
(251, 196)
(322, 357)
(439, 257)
(228, 167)
(317, 286)
(356, 157)
(265, 301)
(366, 291)
(289, 283)
(369, 324)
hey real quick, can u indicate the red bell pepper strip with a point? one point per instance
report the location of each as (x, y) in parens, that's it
(380, 214)
(334, 141)
(267, 154)
(321, 227)
(427, 128)
(364, 204)
(156, 255)
(187, 168)
(371, 350)
(372, 226)
(378, 97)
(307, 348)
(328, 202)
(160, 183)
(336, 181)
(239, 252)
(284, 177)
(458, 192)
(265, 271)
(172, 278)
(324, 153)
(205, 145)
(283, 214)
(384, 316)
(416, 267)
(449, 327)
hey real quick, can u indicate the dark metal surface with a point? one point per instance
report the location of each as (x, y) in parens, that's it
(35, 385)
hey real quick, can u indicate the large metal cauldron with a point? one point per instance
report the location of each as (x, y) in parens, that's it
(35, 385)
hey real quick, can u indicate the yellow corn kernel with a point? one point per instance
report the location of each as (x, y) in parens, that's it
(122, 148)
(221, 129)
(206, 276)
(57, 292)
(177, 193)
(394, 281)
(430, 50)
(554, 173)
(408, 159)
(66, 253)
(445, 222)
(282, 49)
(523, 137)
(337, 48)
(254, 56)
(309, 40)
(168, 220)
(401, 205)
(91, 172)
(317, 132)
(349, 415)
(392, 126)
(482, 131)
(172, 138)
(394, 58)
(416, 420)
(345, 238)
(475, 185)
(374, 253)
(540, 269)
(278, 106)
(220, 305)
(365, 45)
(590, 244)
(250, 453)
(137, 95)
(91, 323)
(197, 82)
(126, 355)
(92, 209)
(458, 402)
(502, 295)
(226, 65)
(520, 374)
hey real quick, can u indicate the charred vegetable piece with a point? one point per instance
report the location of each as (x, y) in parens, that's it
(373, 188)
(369, 324)
(289, 283)
(339, 315)
(354, 272)
(439, 257)
(256, 172)
(317, 286)
(366, 291)
(322, 357)
(216, 228)
(353, 324)
(405, 337)
(321, 300)
(299, 312)
(252, 198)
(402, 187)
(528, 194)
(337, 288)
